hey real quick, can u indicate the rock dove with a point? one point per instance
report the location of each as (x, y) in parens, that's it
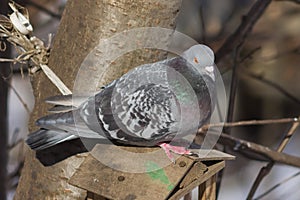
(146, 114)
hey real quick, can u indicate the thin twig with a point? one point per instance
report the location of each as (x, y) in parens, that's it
(264, 171)
(20, 70)
(274, 85)
(294, 1)
(43, 9)
(232, 98)
(15, 173)
(250, 54)
(16, 143)
(250, 122)
(288, 136)
(277, 185)
(17, 94)
(233, 88)
(243, 30)
(226, 21)
(256, 151)
(203, 27)
(8, 60)
(295, 50)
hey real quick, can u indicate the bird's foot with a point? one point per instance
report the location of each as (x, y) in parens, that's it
(176, 149)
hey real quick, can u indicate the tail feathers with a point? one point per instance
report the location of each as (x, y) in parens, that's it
(60, 109)
(51, 121)
(67, 100)
(43, 138)
(64, 123)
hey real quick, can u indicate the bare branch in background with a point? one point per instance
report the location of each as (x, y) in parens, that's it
(293, 1)
(277, 185)
(41, 8)
(266, 169)
(232, 98)
(295, 50)
(234, 43)
(238, 37)
(250, 54)
(15, 140)
(253, 150)
(203, 26)
(15, 174)
(17, 94)
(250, 122)
(225, 23)
(273, 85)
(233, 88)
(256, 151)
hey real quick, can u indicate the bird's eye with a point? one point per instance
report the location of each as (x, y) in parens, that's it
(196, 60)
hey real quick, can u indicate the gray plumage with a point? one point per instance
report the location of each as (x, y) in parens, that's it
(144, 111)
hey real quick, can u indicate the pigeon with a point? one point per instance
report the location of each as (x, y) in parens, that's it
(137, 109)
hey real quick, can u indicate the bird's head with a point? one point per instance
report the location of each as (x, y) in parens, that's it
(202, 58)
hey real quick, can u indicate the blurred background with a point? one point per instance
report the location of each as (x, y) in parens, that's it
(271, 52)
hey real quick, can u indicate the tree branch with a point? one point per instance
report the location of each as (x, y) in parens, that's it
(233, 88)
(17, 94)
(235, 41)
(238, 37)
(264, 171)
(41, 8)
(15, 174)
(250, 122)
(274, 85)
(203, 26)
(294, 1)
(277, 185)
(232, 98)
(256, 151)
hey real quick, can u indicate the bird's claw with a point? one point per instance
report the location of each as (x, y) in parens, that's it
(176, 149)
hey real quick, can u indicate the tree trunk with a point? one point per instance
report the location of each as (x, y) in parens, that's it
(83, 24)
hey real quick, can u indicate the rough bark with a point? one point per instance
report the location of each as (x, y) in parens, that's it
(83, 24)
